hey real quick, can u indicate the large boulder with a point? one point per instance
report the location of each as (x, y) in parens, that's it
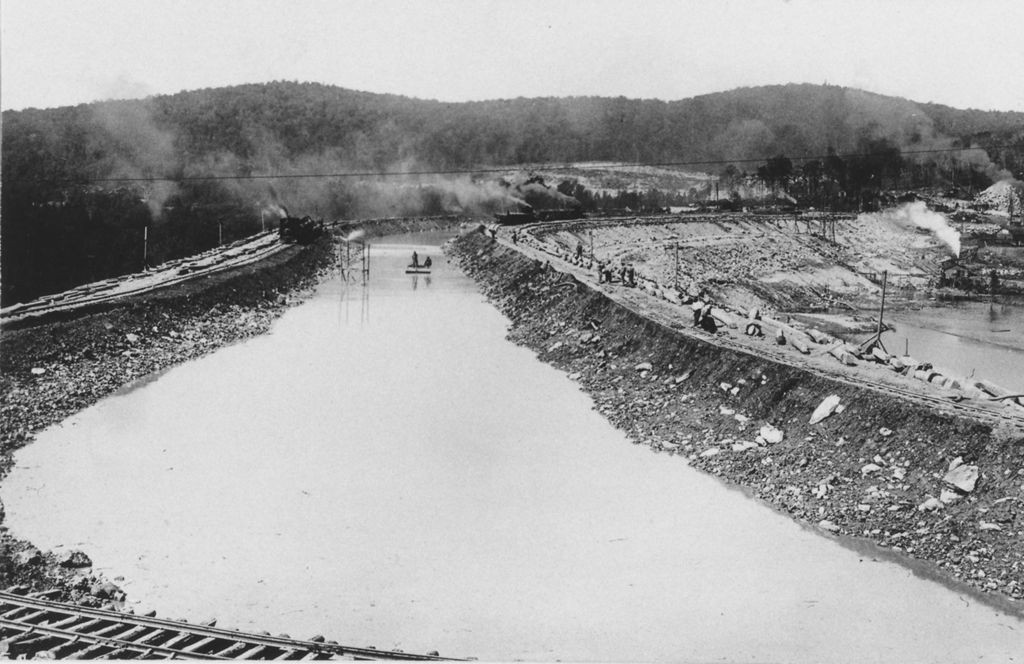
(961, 475)
(73, 559)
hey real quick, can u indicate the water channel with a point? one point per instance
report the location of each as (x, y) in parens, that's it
(980, 339)
(384, 468)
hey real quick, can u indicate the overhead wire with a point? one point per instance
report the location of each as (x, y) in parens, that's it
(538, 166)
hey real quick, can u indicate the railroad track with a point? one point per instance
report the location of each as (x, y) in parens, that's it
(261, 248)
(33, 626)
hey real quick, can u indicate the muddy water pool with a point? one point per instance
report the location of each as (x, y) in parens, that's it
(386, 469)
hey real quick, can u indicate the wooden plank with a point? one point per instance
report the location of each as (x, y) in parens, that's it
(251, 654)
(152, 638)
(176, 642)
(237, 648)
(134, 633)
(60, 624)
(202, 643)
(84, 627)
(91, 652)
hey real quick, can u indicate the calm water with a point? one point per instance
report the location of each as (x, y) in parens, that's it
(979, 338)
(385, 469)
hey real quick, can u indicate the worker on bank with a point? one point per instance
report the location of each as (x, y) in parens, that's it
(707, 321)
(579, 251)
(697, 306)
(631, 275)
(427, 262)
(415, 259)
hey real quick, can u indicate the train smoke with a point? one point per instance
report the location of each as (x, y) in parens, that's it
(918, 215)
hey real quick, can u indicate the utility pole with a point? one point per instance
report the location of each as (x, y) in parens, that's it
(592, 241)
(145, 247)
(677, 265)
(263, 219)
(220, 233)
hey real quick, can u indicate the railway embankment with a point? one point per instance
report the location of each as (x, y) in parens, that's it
(52, 369)
(941, 492)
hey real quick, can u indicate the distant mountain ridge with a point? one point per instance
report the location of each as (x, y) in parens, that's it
(263, 126)
(83, 187)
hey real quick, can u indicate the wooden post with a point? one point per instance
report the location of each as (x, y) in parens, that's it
(677, 265)
(881, 310)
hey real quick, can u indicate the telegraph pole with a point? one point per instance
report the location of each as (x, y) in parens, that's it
(145, 247)
(677, 265)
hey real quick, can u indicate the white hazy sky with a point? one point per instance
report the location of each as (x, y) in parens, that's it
(964, 53)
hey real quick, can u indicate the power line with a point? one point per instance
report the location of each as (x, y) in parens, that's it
(511, 167)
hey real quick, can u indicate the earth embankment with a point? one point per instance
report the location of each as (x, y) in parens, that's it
(927, 485)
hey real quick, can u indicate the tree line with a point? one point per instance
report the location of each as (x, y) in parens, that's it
(67, 219)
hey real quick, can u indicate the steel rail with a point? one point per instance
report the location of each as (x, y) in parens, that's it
(91, 627)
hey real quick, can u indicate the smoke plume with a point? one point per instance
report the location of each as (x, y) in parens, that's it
(918, 215)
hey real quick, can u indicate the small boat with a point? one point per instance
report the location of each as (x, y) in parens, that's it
(417, 270)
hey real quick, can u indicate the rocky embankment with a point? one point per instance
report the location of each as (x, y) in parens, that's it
(53, 369)
(923, 485)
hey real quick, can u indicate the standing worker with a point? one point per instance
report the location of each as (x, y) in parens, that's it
(415, 259)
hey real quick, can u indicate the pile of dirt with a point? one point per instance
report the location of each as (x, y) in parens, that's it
(874, 467)
(999, 195)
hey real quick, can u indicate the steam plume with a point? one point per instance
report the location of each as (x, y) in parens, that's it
(918, 214)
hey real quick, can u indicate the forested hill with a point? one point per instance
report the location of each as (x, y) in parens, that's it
(251, 128)
(70, 215)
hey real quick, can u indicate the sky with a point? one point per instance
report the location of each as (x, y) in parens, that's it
(963, 53)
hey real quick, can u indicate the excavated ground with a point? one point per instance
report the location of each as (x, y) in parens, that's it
(874, 471)
(776, 263)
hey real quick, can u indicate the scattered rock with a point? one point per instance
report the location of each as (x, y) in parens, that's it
(132, 338)
(726, 411)
(644, 366)
(825, 524)
(825, 408)
(948, 496)
(930, 505)
(710, 452)
(770, 434)
(30, 556)
(555, 346)
(73, 559)
(38, 371)
(961, 475)
(884, 432)
(107, 591)
(984, 525)
(869, 468)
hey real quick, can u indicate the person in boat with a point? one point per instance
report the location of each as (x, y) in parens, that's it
(427, 262)
(415, 259)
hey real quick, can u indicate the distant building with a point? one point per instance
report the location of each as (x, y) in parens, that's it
(1010, 234)
(952, 272)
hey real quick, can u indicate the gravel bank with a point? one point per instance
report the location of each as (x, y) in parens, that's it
(924, 486)
(53, 369)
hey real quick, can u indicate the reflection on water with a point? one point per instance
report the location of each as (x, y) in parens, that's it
(983, 339)
(410, 479)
